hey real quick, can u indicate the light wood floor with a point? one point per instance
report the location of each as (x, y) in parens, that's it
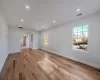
(42, 65)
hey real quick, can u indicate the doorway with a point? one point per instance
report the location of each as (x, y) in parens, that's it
(25, 41)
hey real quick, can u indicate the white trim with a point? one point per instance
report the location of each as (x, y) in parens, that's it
(82, 61)
(80, 50)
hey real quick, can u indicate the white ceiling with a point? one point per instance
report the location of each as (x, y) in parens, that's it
(43, 12)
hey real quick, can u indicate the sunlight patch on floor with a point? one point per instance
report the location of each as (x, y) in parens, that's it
(47, 65)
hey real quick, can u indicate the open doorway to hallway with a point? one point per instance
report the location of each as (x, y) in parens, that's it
(25, 41)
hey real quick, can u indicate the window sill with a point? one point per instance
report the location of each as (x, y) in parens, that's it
(80, 50)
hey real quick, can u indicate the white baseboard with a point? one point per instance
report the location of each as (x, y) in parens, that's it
(81, 61)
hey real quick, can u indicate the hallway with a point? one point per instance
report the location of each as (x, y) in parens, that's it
(42, 65)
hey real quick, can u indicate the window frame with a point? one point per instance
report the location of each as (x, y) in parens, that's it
(45, 39)
(81, 36)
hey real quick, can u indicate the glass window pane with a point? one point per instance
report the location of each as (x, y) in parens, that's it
(46, 38)
(85, 34)
(79, 35)
(80, 29)
(75, 35)
(75, 29)
(85, 28)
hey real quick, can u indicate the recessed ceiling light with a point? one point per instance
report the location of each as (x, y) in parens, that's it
(43, 26)
(54, 21)
(27, 7)
(78, 10)
(22, 20)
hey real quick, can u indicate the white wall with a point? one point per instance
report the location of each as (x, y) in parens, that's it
(3, 41)
(35, 43)
(14, 37)
(35, 40)
(60, 40)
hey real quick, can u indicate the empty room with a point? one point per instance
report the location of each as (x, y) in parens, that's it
(49, 39)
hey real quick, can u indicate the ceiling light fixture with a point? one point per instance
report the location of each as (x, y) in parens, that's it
(43, 26)
(22, 20)
(27, 7)
(78, 10)
(54, 21)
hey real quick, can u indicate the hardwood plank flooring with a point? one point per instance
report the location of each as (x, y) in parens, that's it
(42, 65)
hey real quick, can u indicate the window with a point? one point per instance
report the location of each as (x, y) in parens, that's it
(46, 39)
(80, 37)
